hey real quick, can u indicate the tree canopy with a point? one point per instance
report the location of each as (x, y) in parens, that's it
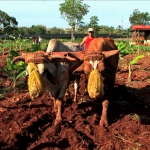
(94, 24)
(139, 17)
(7, 23)
(39, 29)
(73, 11)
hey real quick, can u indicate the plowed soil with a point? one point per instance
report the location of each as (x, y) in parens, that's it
(26, 125)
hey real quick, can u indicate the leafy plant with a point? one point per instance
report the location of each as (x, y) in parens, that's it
(123, 49)
(35, 47)
(14, 71)
(126, 48)
(16, 40)
(13, 53)
(132, 62)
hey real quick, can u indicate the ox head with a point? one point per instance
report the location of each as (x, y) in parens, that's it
(96, 61)
(45, 68)
(93, 60)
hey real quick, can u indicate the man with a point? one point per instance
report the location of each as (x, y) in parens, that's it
(39, 40)
(87, 39)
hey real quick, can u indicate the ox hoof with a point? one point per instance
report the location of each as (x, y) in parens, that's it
(57, 122)
(103, 123)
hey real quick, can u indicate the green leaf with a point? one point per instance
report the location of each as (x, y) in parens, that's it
(21, 74)
(121, 46)
(20, 66)
(134, 61)
(6, 72)
(20, 63)
(13, 53)
(9, 65)
(35, 47)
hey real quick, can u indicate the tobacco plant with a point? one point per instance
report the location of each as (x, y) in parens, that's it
(35, 47)
(14, 71)
(132, 62)
(16, 40)
(125, 48)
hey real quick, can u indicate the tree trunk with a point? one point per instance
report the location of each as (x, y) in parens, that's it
(72, 33)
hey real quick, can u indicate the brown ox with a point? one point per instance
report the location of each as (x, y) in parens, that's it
(102, 54)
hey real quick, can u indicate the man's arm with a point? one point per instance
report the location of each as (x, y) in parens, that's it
(84, 39)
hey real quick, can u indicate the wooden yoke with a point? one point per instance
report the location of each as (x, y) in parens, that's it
(41, 57)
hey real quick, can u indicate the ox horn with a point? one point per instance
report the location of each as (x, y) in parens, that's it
(57, 57)
(17, 59)
(77, 55)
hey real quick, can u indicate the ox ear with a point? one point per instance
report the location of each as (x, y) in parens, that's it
(110, 53)
(85, 67)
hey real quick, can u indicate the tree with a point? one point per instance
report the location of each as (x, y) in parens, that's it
(7, 23)
(55, 30)
(82, 28)
(94, 24)
(119, 30)
(73, 11)
(23, 30)
(139, 17)
(39, 29)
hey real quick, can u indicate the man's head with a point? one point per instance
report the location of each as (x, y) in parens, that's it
(90, 30)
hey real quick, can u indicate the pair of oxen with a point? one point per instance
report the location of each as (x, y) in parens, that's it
(65, 61)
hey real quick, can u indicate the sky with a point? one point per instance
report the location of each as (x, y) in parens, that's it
(46, 12)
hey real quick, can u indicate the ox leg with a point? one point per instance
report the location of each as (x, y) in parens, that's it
(55, 106)
(104, 119)
(105, 103)
(75, 90)
(59, 99)
(58, 114)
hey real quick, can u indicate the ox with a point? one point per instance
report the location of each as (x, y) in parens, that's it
(102, 54)
(56, 76)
